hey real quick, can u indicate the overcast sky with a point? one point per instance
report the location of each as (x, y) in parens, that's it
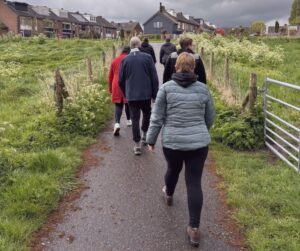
(223, 13)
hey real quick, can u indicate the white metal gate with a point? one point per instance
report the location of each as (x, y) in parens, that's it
(282, 137)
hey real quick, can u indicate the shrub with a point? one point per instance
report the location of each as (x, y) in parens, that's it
(240, 131)
(87, 112)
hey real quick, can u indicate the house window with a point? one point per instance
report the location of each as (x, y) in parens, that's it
(25, 23)
(48, 24)
(157, 24)
(66, 26)
(93, 19)
(97, 29)
(82, 27)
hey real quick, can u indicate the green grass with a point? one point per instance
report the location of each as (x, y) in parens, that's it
(265, 198)
(263, 191)
(40, 152)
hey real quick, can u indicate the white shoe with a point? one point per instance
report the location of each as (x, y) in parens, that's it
(129, 122)
(117, 129)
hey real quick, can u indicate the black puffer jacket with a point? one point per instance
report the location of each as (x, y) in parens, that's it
(165, 52)
(147, 48)
(171, 62)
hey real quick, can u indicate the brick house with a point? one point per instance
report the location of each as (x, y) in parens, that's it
(17, 18)
(130, 29)
(108, 30)
(95, 29)
(27, 20)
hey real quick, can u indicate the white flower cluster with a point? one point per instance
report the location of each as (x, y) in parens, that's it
(243, 51)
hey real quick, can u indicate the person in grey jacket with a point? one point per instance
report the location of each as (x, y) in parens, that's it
(185, 110)
(138, 81)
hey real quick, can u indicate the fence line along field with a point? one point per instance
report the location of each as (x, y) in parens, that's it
(40, 149)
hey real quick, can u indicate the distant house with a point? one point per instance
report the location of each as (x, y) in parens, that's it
(17, 18)
(28, 20)
(108, 30)
(168, 21)
(130, 28)
(95, 29)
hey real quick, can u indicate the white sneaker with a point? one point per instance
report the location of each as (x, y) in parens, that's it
(117, 129)
(129, 122)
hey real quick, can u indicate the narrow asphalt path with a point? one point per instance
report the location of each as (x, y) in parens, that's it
(123, 209)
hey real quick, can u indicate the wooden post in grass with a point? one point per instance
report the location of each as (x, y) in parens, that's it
(226, 71)
(60, 92)
(251, 94)
(103, 58)
(114, 51)
(202, 52)
(89, 69)
(211, 66)
(252, 91)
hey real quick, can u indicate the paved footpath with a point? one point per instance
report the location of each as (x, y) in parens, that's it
(123, 208)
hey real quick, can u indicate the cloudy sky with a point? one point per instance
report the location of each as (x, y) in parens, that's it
(223, 13)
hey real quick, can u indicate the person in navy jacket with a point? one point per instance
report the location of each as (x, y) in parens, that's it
(139, 82)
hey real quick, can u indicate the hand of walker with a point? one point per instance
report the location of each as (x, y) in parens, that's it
(151, 148)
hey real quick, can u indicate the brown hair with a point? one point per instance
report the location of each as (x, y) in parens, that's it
(185, 63)
(185, 42)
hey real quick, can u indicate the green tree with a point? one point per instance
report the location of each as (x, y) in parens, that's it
(276, 27)
(258, 27)
(295, 13)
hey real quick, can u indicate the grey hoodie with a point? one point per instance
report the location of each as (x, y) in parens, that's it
(185, 110)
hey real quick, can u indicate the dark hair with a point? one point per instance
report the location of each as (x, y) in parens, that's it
(146, 40)
(126, 49)
(185, 42)
(168, 39)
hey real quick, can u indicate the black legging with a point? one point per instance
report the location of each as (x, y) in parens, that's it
(119, 110)
(194, 163)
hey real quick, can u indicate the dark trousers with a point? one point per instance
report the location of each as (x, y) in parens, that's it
(194, 163)
(135, 113)
(119, 110)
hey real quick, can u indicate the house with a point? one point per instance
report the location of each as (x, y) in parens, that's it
(108, 30)
(84, 28)
(66, 26)
(130, 29)
(171, 22)
(45, 21)
(17, 18)
(95, 29)
(27, 20)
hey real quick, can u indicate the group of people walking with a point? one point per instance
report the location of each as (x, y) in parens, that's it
(182, 108)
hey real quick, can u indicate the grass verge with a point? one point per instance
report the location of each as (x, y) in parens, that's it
(40, 152)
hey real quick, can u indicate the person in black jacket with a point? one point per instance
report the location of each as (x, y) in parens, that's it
(147, 48)
(186, 45)
(166, 50)
(139, 83)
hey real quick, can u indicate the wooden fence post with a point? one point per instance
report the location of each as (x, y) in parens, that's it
(104, 59)
(60, 92)
(251, 94)
(226, 71)
(89, 69)
(202, 52)
(211, 66)
(114, 51)
(252, 91)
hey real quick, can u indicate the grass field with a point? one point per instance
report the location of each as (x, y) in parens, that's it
(261, 189)
(39, 152)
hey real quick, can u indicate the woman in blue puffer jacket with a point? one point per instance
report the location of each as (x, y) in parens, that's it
(185, 110)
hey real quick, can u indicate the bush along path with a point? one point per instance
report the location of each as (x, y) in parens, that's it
(120, 205)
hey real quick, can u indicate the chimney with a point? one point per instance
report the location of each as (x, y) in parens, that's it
(161, 7)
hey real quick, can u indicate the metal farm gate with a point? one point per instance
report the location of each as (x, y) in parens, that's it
(282, 137)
